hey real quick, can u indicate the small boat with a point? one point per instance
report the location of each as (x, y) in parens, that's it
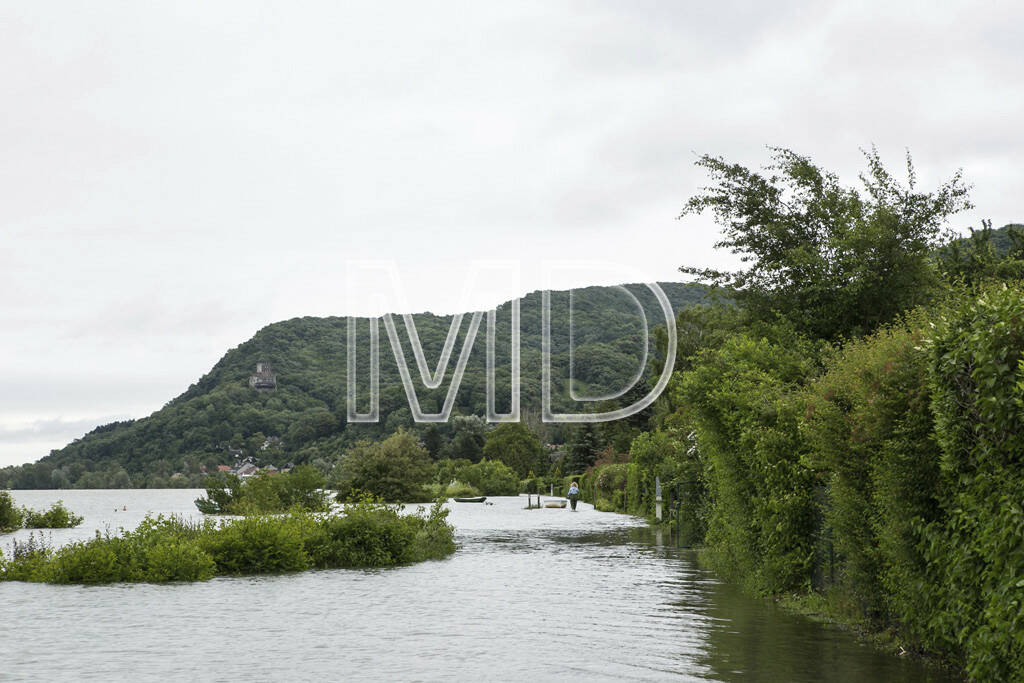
(478, 499)
(554, 503)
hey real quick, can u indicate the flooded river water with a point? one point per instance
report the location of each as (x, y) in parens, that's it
(531, 595)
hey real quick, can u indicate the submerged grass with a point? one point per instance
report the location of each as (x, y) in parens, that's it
(161, 549)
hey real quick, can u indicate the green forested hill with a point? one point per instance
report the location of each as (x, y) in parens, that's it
(220, 414)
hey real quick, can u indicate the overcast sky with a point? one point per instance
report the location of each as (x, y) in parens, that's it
(174, 177)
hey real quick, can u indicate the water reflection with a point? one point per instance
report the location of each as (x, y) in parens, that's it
(532, 594)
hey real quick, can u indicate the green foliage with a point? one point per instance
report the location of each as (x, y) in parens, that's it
(869, 428)
(890, 482)
(367, 534)
(11, 517)
(985, 255)
(829, 259)
(513, 444)
(394, 470)
(458, 489)
(762, 520)
(307, 410)
(671, 455)
(57, 517)
(259, 544)
(469, 436)
(264, 493)
(582, 449)
(490, 478)
(975, 552)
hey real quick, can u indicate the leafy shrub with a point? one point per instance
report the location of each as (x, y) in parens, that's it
(458, 489)
(975, 552)
(57, 517)
(763, 517)
(366, 534)
(490, 478)
(869, 427)
(435, 537)
(395, 470)
(10, 516)
(28, 559)
(258, 545)
(85, 562)
(265, 493)
(178, 560)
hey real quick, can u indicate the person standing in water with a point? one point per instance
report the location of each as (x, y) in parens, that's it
(574, 494)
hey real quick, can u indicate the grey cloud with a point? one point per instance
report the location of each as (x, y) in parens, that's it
(177, 176)
(54, 429)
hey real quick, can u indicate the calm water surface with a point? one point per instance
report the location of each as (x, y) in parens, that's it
(531, 595)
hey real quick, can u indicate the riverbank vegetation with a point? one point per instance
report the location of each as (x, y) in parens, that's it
(842, 427)
(302, 488)
(400, 470)
(848, 426)
(395, 470)
(161, 549)
(56, 517)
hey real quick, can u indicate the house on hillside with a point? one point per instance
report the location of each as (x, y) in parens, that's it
(245, 468)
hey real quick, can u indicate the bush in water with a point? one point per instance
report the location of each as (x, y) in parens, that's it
(10, 516)
(265, 493)
(396, 470)
(366, 534)
(490, 477)
(57, 517)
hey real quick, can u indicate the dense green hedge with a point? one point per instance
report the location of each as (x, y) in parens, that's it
(869, 430)
(974, 551)
(745, 409)
(918, 431)
(885, 474)
(162, 549)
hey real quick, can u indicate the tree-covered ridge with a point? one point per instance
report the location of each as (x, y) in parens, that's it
(221, 414)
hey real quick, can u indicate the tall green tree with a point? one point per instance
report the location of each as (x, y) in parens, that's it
(582, 448)
(834, 260)
(433, 441)
(468, 441)
(394, 469)
(515, 445)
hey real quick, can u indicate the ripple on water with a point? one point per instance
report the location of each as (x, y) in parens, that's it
(531, 595)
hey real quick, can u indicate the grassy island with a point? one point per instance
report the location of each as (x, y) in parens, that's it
(161, 549)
